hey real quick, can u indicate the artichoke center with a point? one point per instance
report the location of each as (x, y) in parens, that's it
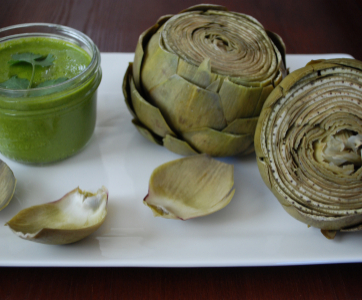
(218, 42)
(342, 149)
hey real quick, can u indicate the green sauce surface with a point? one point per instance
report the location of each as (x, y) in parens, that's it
(70, 60)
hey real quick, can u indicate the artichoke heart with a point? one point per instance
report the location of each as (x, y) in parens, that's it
(67, 220)
(190, 187)
(200, 78)
(7, 184)
(308, 143)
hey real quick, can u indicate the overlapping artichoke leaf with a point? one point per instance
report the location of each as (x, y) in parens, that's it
(201, 77)
(308, 142)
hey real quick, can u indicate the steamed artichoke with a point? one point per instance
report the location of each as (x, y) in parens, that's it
(200, 78)
(308, 143)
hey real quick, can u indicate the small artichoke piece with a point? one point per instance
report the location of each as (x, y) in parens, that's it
(199, 80)
(308, 142)
(67, 220)
(7, 184)
(190, 187)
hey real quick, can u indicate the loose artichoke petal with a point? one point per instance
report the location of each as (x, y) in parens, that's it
(67, 220)
(178, 146)
(190, 187)
(7, 185)
(149, 115)
(218, 143)
(191, 106)
(146, 133)
(308, 142)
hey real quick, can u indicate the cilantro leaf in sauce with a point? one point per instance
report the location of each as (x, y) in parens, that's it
(34, 60)
(15, 83)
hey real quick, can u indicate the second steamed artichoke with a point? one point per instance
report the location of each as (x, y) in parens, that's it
(200, 78)
(308, 144)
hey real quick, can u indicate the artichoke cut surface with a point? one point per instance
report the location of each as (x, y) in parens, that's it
(308, 144)
(190, 187)
(200, 78)
(67, 220)
(7, 184)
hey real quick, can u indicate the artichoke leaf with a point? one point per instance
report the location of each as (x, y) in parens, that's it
(149, 115)
(7, 184)
(238, 101)
(273, 97)
(178, 146)
(203, 75)
(348, 62)
(204, 7)
(191, 106)
(139, 52)
(262, 99)
(190, 187)
(158, 66)
(146, 133)
(279, 44)
(215, 85)
(217, 143)
(329, 234)
(200, 76)
(126, 90)
(293, 77)
(242, 126)
(67, 220)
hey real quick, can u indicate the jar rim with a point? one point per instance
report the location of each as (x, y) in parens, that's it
(66, 31)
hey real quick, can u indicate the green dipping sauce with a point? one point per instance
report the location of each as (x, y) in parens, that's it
(42, 125)
(70, 60)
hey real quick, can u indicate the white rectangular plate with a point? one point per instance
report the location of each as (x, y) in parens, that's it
(253, 230)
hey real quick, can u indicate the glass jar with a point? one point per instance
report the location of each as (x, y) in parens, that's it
(47, 124)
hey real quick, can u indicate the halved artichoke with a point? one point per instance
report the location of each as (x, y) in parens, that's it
(200, 78)
(67, 220)
(308, 143)
(7, 184)
(190, 187)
